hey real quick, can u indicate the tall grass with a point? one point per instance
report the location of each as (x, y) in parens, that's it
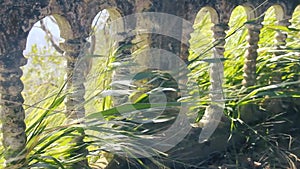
(107, 131)
(263, 93)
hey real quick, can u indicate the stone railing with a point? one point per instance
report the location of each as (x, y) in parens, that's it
(74, 19)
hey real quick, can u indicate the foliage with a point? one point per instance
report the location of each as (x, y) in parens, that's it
(50, 134)
(261, 139)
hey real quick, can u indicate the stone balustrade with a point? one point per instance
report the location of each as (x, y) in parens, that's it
(75, 18)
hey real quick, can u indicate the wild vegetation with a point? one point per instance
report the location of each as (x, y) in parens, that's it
(271, 141)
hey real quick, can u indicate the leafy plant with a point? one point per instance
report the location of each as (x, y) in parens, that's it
(271, 141)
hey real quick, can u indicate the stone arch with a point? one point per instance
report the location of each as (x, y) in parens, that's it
(216, 72)
(254, 11)
(47, 31)
(30, 24)
(245, 9)
(251, 14)
(114, 13)
(104, 41)
(201, 17)
(115, 17)
(115, 9)
(295, 9)
(64, 26)
(52, 76)
(280, 11)
(236, 36)
(295, 15)
(214, 16)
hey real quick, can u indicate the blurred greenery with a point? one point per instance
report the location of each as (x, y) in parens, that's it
(276, 103)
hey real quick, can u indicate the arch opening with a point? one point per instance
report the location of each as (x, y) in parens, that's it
(104, 45)
(201, 44)
(44, 73)
(236, 46)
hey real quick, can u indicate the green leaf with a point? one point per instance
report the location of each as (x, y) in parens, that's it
(214, 60)
(142, 75)
(57, 101)
(115, 111)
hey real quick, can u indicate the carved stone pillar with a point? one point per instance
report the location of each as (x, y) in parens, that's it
(217, 69)
(12, 112)
(12, 43)
(187, 30)
(280, 42)
(249, 112)
(280, 35)
(214, 112)
(251, 54)
(275, 105)
(77, 69)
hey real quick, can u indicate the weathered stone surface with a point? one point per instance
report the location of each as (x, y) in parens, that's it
(74, 18)
(12, 112)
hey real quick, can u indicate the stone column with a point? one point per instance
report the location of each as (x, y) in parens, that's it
(214, 111)
(187, 30)
(78, 67)
(276, 105)
(249, 112)
(13, 35)
(12, 112)
(251, 54)
(280, 35)
(217, 69)
(280, 42)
